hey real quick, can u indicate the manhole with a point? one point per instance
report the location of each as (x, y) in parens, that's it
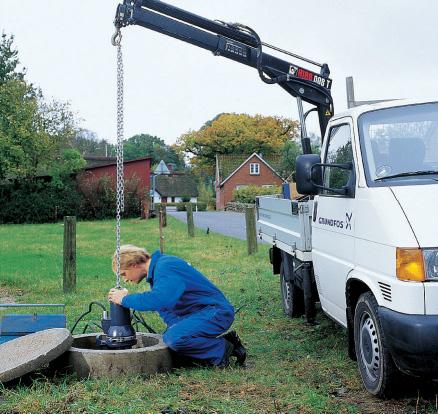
(86, 359)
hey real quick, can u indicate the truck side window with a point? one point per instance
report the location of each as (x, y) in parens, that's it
(339, 151)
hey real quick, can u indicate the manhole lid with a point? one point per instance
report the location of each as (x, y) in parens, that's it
(30, 352)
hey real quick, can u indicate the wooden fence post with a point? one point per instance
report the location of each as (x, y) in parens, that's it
(164, 214)
(190, 223)
(161, 225)
(145, 209)
(69, 273)
(251, 232)
(157, 208)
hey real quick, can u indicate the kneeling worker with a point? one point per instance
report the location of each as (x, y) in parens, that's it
(196, 312)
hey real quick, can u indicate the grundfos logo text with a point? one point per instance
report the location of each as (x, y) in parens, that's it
(331, 222)
(340, 224)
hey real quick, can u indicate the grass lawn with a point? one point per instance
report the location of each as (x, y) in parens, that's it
(292, 367)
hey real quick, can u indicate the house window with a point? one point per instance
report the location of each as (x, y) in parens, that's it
(254, 168)
(239, 186)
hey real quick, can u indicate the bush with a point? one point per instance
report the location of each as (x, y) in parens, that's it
(99, 198)
(200, 206)
(205, 193)
(31, 201)
(195, 206)
(37, 201)
(180, 206)
(212, 204)
(249, 194)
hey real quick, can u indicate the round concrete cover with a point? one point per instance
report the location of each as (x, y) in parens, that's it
(30, 352)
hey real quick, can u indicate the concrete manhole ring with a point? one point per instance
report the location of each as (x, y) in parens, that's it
(149, 356)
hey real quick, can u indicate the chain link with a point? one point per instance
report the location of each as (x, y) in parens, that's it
(120, 205)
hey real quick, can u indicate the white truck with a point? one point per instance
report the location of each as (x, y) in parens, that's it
(363, 238)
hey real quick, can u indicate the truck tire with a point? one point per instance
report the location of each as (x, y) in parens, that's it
(376, 366)
(292, 296)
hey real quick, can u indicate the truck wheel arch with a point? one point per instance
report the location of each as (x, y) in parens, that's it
(355, 286)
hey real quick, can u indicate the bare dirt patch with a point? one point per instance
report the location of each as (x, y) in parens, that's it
(421, 398)
(9, 295)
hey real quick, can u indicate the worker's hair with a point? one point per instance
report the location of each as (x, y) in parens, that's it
(130, 255)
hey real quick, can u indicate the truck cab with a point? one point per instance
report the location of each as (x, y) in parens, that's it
(366, 233)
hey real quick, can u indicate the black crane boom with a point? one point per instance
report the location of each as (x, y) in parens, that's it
(236, 42)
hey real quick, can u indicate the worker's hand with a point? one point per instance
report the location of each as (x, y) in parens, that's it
(116, 295)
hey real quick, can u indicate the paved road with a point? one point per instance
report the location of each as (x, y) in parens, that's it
(223, 222)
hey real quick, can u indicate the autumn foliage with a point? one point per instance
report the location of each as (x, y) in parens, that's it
(236, 134)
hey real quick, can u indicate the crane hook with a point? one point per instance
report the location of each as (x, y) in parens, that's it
(116, 38)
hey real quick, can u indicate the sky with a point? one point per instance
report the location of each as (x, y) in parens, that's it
(388, 46)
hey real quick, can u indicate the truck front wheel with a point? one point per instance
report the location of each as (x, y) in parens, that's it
(377, 369)
(292, 296)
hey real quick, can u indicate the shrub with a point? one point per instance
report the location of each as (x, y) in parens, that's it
(99, 198)
(249, 194)
(200, 206)
(180, 206)
(212, 204)
(31, 201)
(37, 201)
(195, 206)
(205, 193)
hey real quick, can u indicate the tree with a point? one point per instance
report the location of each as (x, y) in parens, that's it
(143, 145)
(21, 144)
(87, 143)
(9, 60)
(236, 134)
(33, 132)
(70, 161)
(289, 154)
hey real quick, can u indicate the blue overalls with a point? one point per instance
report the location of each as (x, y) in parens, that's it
(195, 310)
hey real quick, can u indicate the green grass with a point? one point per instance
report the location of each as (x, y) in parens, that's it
(292, 367)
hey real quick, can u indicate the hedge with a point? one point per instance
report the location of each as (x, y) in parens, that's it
(195, 206)
(249, 194)
(44, 202)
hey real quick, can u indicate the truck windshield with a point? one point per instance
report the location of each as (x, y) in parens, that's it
(400, 143)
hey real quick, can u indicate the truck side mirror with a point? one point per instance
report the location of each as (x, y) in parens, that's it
(308, 173)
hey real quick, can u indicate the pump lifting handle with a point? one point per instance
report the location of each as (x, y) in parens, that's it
(236, 42)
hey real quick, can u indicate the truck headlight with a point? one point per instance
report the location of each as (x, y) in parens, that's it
(431, 263)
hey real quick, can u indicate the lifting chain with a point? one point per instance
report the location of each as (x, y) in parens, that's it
(116, 41)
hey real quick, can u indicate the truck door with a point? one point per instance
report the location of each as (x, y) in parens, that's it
(333, 224)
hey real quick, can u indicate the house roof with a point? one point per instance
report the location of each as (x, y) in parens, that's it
(228, 165)
(161, 168)
(97, 161)
(107, 164)
(176, 185)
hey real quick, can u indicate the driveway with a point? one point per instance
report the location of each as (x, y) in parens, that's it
(224, 222)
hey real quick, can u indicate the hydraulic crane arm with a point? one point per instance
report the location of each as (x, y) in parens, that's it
(239, 43)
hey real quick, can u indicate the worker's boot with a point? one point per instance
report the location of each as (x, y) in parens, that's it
(229, 347)
(239, 351)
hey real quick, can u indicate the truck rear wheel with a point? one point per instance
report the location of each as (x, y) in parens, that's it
(292, 296)
(377, 369)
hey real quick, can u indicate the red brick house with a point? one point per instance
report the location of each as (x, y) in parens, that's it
(237, 171)
(138, 170)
